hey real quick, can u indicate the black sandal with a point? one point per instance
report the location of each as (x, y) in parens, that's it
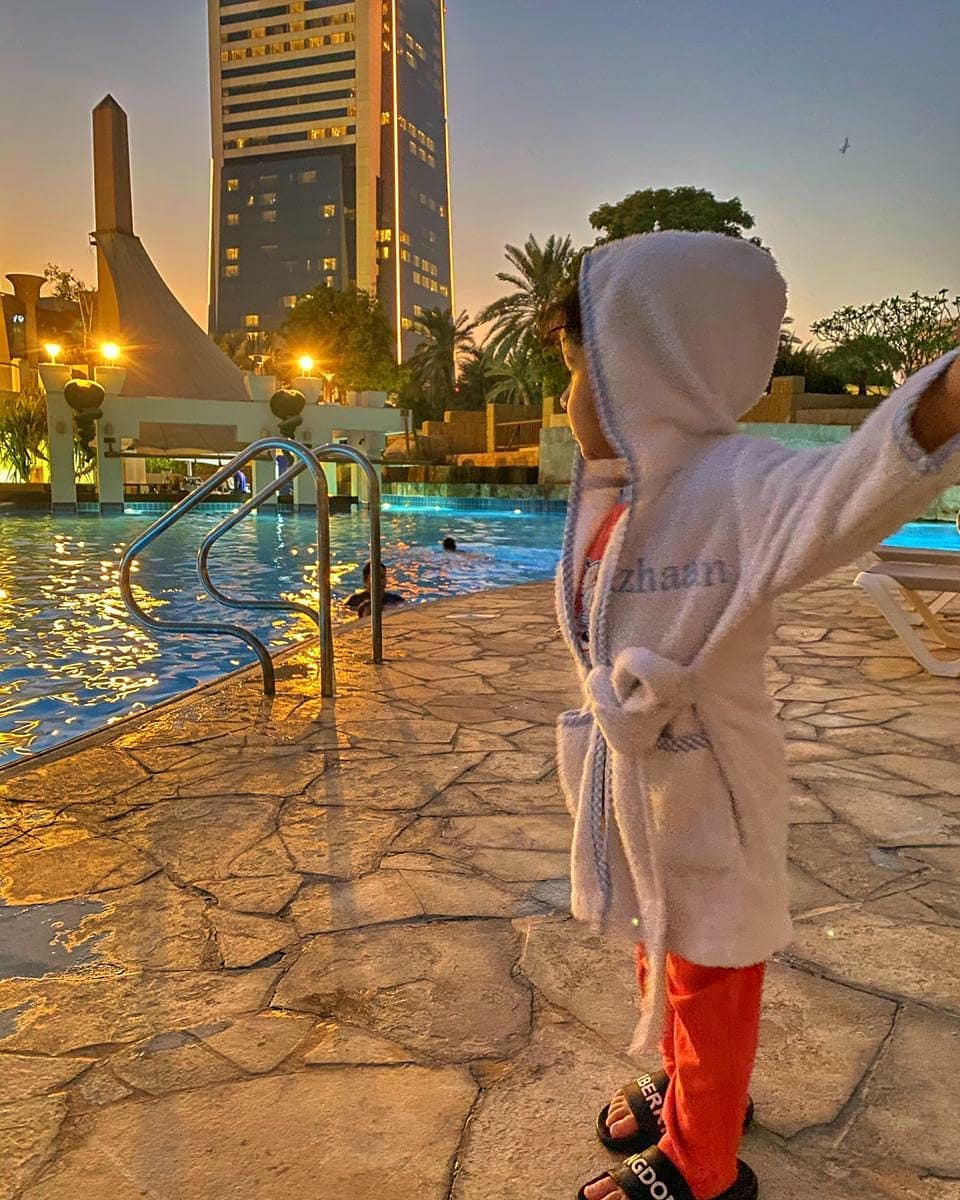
(645, 1097)
(652, 1176)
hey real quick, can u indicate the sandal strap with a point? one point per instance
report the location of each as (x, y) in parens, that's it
(645, 1098)
(651, 1176)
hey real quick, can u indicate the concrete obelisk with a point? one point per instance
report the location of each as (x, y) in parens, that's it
(113, 201)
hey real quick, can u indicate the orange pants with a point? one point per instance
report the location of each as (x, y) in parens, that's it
(709, 1045)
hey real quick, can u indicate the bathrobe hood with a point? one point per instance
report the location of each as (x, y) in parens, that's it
(681, 332)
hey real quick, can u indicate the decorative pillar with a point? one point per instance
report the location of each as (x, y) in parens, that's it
(26, 288)
(311, 389)
(259, 387)
(109, 470)
(63, 483)
(264, 473)
(305, 485)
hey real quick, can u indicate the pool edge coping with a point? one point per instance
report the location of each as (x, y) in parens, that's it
(96, 737)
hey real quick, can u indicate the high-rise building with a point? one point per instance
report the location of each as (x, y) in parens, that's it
(330, 157)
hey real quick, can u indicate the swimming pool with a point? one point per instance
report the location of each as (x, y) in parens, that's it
(928, 535)
(71, 661)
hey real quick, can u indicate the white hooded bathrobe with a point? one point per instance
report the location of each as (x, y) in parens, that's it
(674, 767)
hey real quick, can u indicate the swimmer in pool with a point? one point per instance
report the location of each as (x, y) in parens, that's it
(361, 601)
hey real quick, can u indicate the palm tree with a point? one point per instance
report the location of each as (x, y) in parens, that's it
(516, 377)
(447, 341)
(478, 378)
(542, 274)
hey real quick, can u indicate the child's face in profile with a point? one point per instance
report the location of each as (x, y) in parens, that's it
(581, 408)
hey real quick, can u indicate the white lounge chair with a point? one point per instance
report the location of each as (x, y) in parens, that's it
(895, 584)
(913, 554)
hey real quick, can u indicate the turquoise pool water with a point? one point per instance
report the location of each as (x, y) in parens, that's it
(928, 535)
(71, 661)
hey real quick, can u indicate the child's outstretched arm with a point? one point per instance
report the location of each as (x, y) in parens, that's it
(805, 513)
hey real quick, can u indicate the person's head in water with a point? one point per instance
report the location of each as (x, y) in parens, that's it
(449, 544)
(563, 328)
(366, 574)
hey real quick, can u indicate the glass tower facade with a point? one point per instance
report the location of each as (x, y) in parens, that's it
(330, 158)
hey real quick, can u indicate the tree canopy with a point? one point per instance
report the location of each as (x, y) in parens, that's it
(347, 333)
(655, 209)
(909, 332)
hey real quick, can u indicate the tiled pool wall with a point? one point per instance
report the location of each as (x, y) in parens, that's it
(433, 500)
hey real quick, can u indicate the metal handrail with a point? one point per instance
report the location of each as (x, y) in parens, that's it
(322, 454)
(308, 461)
(323, 572)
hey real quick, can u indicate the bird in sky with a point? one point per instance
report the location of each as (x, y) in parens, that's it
(846, 145)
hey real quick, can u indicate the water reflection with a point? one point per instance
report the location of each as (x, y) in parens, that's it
(71, 661)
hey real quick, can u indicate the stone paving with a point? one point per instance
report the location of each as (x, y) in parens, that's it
(300, 951)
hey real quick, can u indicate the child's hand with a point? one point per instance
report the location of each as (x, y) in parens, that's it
(936, 418)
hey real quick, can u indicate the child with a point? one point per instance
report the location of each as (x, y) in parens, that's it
(680, 535)
(361, 601)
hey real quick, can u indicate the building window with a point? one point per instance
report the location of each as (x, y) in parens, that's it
(268, 198)
(270, 251)
(329, 281)
(267, 180)
(231, 272)
(288, 301)
(233, 185)
(233, 218)
(386, 118)
(269, 216)
(404, 238)
(251, 321)
(307, 177)
(232, 254)
(384, 252)
(405, 255)
(329, 264)
(444, 291)
(329, 210)
(406, 324)
(432, 237)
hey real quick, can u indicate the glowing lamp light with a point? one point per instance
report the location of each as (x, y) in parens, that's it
(53, 351)
(306, 364)
(110, 352)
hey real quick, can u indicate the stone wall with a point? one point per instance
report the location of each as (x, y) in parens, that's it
(788, 402)
(556, 455)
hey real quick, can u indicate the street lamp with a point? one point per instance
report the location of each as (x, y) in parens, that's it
(110, 352)
(53, 351)
(306, 365)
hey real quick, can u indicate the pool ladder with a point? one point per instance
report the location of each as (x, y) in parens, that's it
(307, 459)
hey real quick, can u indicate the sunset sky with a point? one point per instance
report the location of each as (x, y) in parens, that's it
(556, 106)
